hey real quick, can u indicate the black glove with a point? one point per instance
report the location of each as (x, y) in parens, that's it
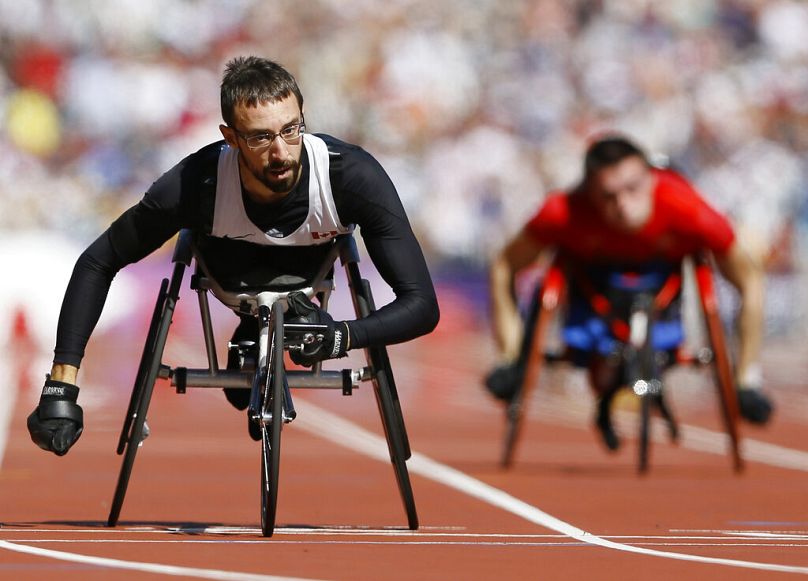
(504, 380)
(57, 422)
(755, 407)
(336, 340)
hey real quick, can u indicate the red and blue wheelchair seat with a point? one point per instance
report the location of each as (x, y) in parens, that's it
(599, 304)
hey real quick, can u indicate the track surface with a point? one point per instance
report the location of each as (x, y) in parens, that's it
(566, 510)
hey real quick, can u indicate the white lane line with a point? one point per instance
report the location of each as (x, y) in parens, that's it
(801, 534)
(336, 429)
(704, 440)
(735, 536)
(144, 567)
(387, 543)
(562, 410)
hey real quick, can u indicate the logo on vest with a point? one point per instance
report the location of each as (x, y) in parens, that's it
(323, 235)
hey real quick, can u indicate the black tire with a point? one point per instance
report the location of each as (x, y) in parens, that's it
(391, 422)
(513, 426)
(387, 400)
(644, 368)
(144, 385)
(143, 368)
(645, 424)
(274, 377)
(531, 360)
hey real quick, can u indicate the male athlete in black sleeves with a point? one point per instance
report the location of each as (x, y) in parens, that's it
(263, 203)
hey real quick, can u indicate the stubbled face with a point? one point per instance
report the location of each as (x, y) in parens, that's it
(623, 193)
(275, 169)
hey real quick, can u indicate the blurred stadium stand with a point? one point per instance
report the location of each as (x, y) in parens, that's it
(476, 107)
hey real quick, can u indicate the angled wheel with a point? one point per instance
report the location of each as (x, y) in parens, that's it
(722, 365)
(532, 357)
(396, 438)
(273, 376)
(134, 430)
(387, 400)
(143, 368)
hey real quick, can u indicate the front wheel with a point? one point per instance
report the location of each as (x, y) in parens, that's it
(272, 422)
(645, 425)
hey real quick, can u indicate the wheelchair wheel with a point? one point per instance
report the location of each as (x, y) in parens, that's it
(531, 356)
(274, 377)
(393, 424)
(387, 401)
(381, 363)
(645, 425)
(143, 368)
(642, 374)
(722, 367)
(135, 430)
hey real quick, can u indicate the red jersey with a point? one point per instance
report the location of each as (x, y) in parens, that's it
(681, 223)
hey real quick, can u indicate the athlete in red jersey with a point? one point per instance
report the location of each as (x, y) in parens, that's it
(626, 212)
(680, 223)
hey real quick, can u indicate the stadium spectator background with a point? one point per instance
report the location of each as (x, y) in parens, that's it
(475, 108)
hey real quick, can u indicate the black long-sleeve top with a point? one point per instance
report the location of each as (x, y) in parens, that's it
(184, 197)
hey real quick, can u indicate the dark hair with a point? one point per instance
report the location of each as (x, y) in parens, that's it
(252, 80)
(609, 151)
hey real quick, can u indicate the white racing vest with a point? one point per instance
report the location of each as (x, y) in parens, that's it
(322, 223)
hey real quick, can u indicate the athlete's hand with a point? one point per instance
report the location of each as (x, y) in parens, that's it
(336, 341)
(755, 406)
(504, 380)
(57, 422)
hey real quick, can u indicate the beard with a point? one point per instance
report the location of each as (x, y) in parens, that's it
(279, 177)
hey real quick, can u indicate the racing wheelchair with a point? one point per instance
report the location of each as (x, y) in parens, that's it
(261, 367)
(632, 316)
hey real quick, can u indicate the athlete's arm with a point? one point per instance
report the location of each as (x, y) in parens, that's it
(365, 196)
(507, 324)
(740, 261)
(136, 233)
(743, 267)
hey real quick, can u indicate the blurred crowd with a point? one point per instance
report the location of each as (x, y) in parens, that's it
(477, 108)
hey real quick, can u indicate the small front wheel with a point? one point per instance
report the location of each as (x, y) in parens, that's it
(272, 421)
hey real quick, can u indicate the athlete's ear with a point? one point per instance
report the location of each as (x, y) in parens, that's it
(229, 135)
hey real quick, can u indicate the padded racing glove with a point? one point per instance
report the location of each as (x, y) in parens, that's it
(504, 380)
(57, 422)
(336, 339)
(755, 406)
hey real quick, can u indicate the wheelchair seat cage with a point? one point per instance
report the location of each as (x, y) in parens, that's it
(261, 368)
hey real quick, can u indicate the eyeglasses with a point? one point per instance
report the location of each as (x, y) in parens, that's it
(290, 134)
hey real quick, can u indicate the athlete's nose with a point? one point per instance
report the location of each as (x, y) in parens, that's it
(623, 200)
(278, 149)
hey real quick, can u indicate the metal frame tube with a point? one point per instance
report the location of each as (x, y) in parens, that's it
(228, 378)
(207, 330)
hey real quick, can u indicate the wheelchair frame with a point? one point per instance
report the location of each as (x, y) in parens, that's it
(270, 404)
(637, 353)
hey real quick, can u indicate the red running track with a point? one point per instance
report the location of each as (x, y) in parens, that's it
(566, 510)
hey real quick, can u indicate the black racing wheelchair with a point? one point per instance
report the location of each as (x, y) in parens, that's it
(631, 316)
(261, 368)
